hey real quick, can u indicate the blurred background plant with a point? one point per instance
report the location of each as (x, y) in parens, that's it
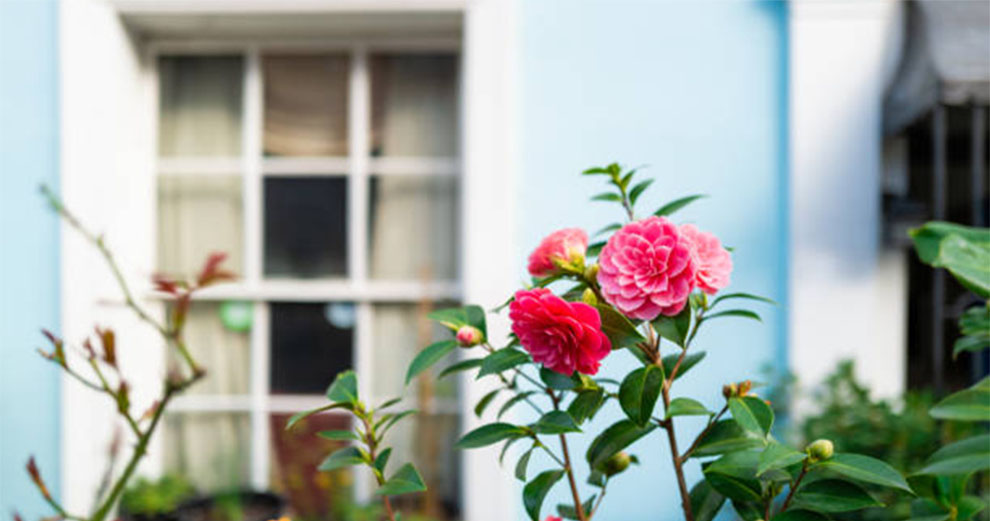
(150, 499)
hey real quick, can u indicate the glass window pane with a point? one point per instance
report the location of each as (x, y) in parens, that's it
(306, 226)
(200, 105)
(413, 231)
(210, 449)
(295, 455)
(414, 105)
(310, 344)
(218, 338)
(399, 332)
(306, 105)
(198, 215)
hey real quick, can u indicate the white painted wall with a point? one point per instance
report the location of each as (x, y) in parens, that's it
(847, 295)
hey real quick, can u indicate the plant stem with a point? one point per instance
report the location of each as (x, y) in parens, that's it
(668, 425)
(578, 507)
(697, 441)
(371, 441)
(794, 487)
(598, 503)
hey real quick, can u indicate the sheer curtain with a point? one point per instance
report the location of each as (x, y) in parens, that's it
(200, 106)
(305, 105)
(210, 449)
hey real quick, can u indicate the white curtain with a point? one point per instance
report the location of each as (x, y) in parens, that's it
(306, 105)
(198, 215)
(200, 106)
(414, 105)
(225, 353)
(210, 449)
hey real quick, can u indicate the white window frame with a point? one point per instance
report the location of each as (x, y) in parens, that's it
(104, 85)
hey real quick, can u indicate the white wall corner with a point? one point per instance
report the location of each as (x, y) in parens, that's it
(842, 286)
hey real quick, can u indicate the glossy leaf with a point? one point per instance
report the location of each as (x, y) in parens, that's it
(744, 296)
(338, 435)
(866, 469)
(620, 331)
(345, 457)
(475, 316)
(608, 197)
(614, 439)
(752, 414)
(742, 313)
(964, 251)
(834, 495)
(705, 501)
(686, 407)
(639, 392)
(483, 403)
(585, 405)
(638, 190)
(567, 511)
(502, 360)
(557, 381)
(451, 318)
(675, 328)
(536, 491)
(522, 464)
(724, 437)
(464, 365)
(961, 457)
(690, 361)
(734, 476)
(299, 416)
(489, 434)
(777, 456)
(677, 204)
(381, 461)
(971, 404)
(432, 354)
(405, 480)
(344, 388)
(799, 515)
(555, 422)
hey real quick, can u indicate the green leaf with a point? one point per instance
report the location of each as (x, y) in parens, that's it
(743, 313)
(614, 439)
(747, 510)
(482, 404)
(489, 434)
(745, 296)
(522, 464)
(344, 388)
(834, 495)
(752, 414)
(690, 361)
(405, 480)
(677, 204)
(595, 248)
(475, 316)
(686, 407)
(536, 491)
(799, 515)
(463, 365)
(675, 328)
(555, 422)
(344, 457)
(975, 321)
(620, 331)
(393, 420)
(338, 435)
(429, 356)
(382, 460)
(971, 404)
(607, 196)
(866, 469)
(705, 501)
(972, 344)
(512, 401)
(962, 250)
(557, 381)
(451, 318)
(638, 190)
(567, 511)
(299, 416)
(961, 457)
(502, 360)
(585, 405)
(777, 456)
(726, 436)
(639, 392)
(734, 475)
(598, 170)
(388, 403)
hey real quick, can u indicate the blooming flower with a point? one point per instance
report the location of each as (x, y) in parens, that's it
(567, 245)
(647, 269)
(563, 336)
(714, 265)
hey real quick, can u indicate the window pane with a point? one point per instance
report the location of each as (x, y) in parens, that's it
(413, 231)
(306, 105)
(310, 344)
(305, 226)
(198, 215)
(200, 105)
(218, 337)
(414, 105)
(400, 332)
(296, 453)
(210, 449)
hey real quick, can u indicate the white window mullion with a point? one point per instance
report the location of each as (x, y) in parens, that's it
(253, 197)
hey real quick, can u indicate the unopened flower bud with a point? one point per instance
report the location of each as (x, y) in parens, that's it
(591, 272)
(616, 464)
(730, 390)
(820, 450)
(589, 298)
(469, 336)
(745, 387)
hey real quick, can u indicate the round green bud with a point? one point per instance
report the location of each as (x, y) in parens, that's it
(820, 450)
(616, 464)
(591, 272)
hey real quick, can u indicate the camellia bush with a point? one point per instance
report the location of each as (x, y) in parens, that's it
(644, 291)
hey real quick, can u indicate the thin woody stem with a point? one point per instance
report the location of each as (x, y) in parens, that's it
(371, 441)
(794, 487)
(575, 495)
(704, 432)
(668, 426)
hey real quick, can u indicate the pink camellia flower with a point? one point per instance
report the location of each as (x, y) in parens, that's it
(567, 245)
(563, 336)
(646, 269)
(553, 518)
(713, 263)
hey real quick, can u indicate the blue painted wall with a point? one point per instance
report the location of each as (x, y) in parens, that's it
(29, 253)
(696, 90)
